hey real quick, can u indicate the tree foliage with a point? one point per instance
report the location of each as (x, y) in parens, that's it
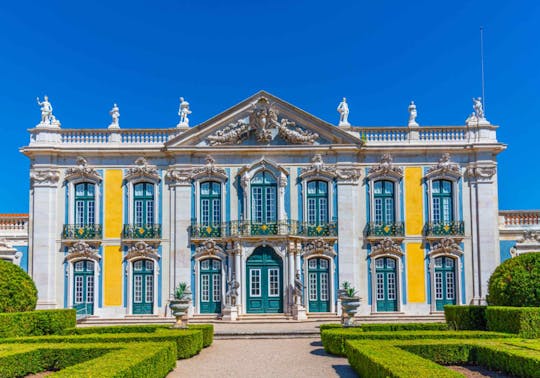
(18, 292)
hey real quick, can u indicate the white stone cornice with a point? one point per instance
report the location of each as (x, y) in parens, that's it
(318, 168)
(386, 247)
(142, 250)
(143, 170)
(444, 168)
(44, 177)
(385, 168)
(82, 171)
(82, 250)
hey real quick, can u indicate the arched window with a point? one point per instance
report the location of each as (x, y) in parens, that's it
(143, 199)
(263, 198)
(442, 201)
(384, 202)
(85, 204)
(210, 203)
(317, 202)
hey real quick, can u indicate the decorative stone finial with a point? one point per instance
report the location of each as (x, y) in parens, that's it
(343, 110)
(183, 112)
(115, 114)
(412, 114)
(47, 117)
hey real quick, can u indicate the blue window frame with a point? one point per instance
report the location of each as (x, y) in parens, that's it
(442, 201)
(385, 209)
(264, 198)
(143, 200)
(85, 204)
(210, 203)
(317, 202)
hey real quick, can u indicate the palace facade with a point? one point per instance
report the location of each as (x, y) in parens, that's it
(258, 203)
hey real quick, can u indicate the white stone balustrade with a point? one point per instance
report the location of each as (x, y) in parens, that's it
(510, 219)
(13, 224)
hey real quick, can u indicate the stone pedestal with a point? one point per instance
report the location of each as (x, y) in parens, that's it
(299, 312)
(230, 313)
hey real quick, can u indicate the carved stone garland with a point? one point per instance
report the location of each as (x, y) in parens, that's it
(481, 171)
(386, 168)
(82, 250)
(185, 176)
(444, 168)
(82, 171)
(143, 169)
(44, 176)
(261, 120)
(142, 250)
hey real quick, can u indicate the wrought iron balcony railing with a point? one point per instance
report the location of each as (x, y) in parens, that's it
(251, 228)
(82, 231)
(142, 231)
(455, 228)
(385, 229)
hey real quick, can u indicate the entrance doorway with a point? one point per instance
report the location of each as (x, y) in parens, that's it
(264, 284)
(83, 287)
(143, 287)
(318, 285)
(210, 286)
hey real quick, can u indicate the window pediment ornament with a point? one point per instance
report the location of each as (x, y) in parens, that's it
(385, 168)
(142, 250)
(262, 118)
(247, 171)
(209, 248)
(319, 247)
(209, 170)
(82, 171)
(447, 246)
(386, 247)
(318, 168)
(481, 171)
(444, 167)
(82, 250)
(142, 170)
(44, 177)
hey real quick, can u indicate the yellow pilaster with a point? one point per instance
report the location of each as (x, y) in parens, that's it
(113, 203)
(414, 204)
(112, 276)
(416, 287)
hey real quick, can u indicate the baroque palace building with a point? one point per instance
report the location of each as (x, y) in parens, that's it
(264, 209)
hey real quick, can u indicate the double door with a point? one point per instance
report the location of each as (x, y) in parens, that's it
(210, 273)
(445, 282)
(386, 281)
(264, 282)
(83, 287)
(143, 287)
(318, 285)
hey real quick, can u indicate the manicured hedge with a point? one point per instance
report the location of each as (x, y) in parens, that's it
(188, 342)
(89, 360)
(334, 339)
(17, 290)
(405, 327)
(326, 326)
(207, 331)
(36, 323)
(516, 282)
(524, 321)
(465, 317)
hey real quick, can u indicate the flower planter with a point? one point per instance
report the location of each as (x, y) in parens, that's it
(349, 306)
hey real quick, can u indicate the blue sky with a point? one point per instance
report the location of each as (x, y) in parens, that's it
(379, 54)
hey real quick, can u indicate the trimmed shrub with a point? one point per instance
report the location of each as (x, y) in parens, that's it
(465, 317)
(36, 323)
(207, 331)
(90, 360)
(17, 290)
(524, 321)
(188, 342)
(516, 282)
(334, 339)
(326, 326)
(405, 327)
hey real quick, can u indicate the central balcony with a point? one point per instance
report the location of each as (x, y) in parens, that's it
(82, 232)
(251, 228)
(452, 228)
(143, 231)
(382, 230)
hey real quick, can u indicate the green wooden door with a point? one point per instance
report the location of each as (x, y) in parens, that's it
(264, 282)
(318, 285)
(143, 287)
(445, 282)
(83, 287)
(386, 280)
(210, 273)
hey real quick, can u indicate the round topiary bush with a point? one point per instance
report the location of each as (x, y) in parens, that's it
(17, 290)
(516, 282)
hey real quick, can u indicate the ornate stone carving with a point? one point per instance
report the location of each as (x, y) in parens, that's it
(343, 110)
(348, 176)
(115, 115)
(44, 176)
(412, 115)
(530, 237)
(178, 176)
(386, 168)
(209, 170)
(444, 168)
(143, 169)
(209, 248)
(82, 250)
(481, 172)
(47, 117)
(82, 171)
(447, 246)
(261, 120)
(278, 171)
(183, 112)
(319, 247)
(142, 250)
(386, 247)
(7, 251)
(318, 168)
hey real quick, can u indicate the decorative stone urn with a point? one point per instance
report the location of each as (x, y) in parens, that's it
(349, 305)
(179, 306)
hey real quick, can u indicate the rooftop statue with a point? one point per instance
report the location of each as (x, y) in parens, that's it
(412, 114)
(343, 110)
(47, 118)
(478, 108)
(183, 112)
(115, 114)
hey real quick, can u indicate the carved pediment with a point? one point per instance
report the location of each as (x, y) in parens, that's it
(319, 247)
(318, 168)
(82, 250)
(386, 247)
(142, 250)
(142, 170)
(209, 170)
(447, 246)
(82, 171)
(444, 167)
(385, 168)
(209, 248)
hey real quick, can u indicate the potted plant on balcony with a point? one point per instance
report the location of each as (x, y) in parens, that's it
(350, 302)
(179, 305)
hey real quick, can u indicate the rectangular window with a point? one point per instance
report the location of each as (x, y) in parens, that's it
(149, 289)
(323, 210)
(257, 205)
(391, 263)
(312, 209)
(205, 264)
(91, 212)
(139, 213)
(391, 286)
(148, 265)
(138, 265)
(380, 286)
(89, 289)
(205, 211)
(324, 286)
(312, 264)
(312, 286)
(216, 265)
(438, 286)
(216, 287)
(378, 211)
(205, 288)
(216, 212)
(450, 286)
(389, 210)
(78, 289)
(137, 290)
(79, 213)
(324, 263)
(447, 210)
(379, 263)
(270, 204)
(255, 282)
(149, 212)
(79, 266)
(436, 210)
(273, 282)
(438, 262)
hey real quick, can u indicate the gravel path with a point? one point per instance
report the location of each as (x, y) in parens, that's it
(258, 358)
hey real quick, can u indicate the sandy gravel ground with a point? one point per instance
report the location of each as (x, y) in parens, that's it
(260, 358)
